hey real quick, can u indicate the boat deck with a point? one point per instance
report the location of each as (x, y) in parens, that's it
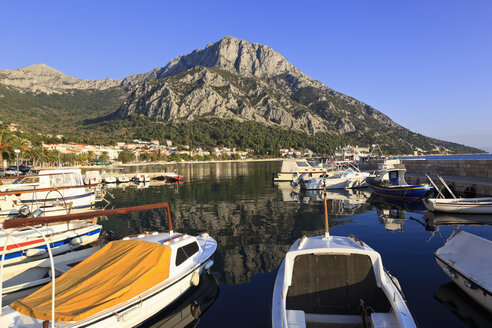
(339, 291)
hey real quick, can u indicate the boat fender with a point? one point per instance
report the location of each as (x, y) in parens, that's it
(195, 278)
(35, 252)
(195, 310)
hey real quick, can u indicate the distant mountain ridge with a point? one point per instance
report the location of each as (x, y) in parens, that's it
(228, 79)
(41, 78)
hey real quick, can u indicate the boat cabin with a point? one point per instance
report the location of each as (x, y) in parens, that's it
(393, 171)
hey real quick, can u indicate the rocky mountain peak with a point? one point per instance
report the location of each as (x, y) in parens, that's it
(234, 55)
(40, 78)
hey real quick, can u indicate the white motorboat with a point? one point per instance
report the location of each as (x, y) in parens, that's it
(53, 191)
(349, 179)
(141, 177)
(465, 258)
(109, 179)
(19, 280)
(31, 268)
(123, 178)
(121, 285)
(92, 177)
(293, 168)
(339, 281)
(28, 245)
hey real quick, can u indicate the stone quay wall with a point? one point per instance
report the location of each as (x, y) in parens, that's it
(459, 167)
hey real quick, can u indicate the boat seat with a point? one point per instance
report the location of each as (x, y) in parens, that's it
(296, 319)
(335, 284)
(383, 320)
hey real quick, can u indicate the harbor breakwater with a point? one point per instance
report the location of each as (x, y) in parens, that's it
(460, 174)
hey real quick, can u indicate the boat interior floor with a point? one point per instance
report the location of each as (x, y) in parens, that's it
(333, 325)
(339, 289)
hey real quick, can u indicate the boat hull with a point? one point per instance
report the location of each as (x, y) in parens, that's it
(409, 192)
(462, 205)
(481, 296)
(31, 246)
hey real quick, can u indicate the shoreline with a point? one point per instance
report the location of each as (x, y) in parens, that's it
(112, 166)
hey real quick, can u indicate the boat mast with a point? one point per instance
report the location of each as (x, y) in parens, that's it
(327, 228)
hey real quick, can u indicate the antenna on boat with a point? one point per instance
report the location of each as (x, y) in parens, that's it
(327, 228)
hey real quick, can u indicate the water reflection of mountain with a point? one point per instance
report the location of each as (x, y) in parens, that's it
(186, 311)
(465, 308)
(253, 232)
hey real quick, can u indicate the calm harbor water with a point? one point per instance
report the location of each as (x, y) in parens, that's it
(256, 221)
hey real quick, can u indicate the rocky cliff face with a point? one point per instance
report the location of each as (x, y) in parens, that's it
(236, 79)
(43, 79)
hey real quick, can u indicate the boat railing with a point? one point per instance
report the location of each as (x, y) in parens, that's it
(52, 264)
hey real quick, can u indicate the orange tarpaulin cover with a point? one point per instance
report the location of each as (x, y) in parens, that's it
(118, 272)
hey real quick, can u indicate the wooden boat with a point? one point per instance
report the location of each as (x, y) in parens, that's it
(465, 258)
(121, 285)
(390, 182)
(54, 191)
(457, 205)
(460, 205)
(351, 178)
(336, 281)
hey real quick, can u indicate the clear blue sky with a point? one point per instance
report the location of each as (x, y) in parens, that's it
(426, 64)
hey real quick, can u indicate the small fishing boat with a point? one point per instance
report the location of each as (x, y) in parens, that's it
(338, 281)
(173, 177)
(390, 182)
(141, 177)
(481, 205)
(465, 258)
(121, 285)
(123, 178)
(460, 205)
(109, 179)
(351, 178)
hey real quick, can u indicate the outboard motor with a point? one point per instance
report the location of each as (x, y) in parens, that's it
(24, 211)
(109, 235)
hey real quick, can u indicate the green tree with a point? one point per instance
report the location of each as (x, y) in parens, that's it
(126, 156)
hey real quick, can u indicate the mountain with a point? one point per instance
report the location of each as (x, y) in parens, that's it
(233, 78)
(230, 79)
(44, 79)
